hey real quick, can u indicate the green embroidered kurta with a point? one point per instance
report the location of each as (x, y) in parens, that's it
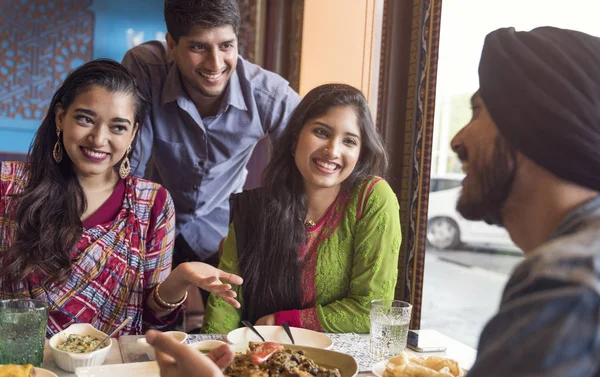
(351, 258)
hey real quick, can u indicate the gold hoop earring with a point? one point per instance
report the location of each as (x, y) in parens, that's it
(125, 167)
(57, 152)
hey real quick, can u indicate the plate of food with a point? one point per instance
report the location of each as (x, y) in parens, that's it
(273, 359)
(407, 364)
(277, 334)
(74, 347)
(260, 359)
(28, 370)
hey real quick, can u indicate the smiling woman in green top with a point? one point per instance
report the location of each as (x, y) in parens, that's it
(321, 238)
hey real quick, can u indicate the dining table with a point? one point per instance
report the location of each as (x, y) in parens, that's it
(125, 350)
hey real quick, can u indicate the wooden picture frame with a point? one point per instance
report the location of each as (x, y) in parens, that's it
(406, 105)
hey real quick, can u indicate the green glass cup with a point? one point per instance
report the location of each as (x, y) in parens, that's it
(23, 331)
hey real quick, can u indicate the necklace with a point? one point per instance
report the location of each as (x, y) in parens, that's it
(309, 224)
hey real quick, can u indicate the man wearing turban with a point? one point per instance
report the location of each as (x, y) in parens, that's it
(531, 154)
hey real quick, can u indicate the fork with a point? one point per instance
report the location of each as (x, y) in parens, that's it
(126, 321)
(286, 327)
(249, 325)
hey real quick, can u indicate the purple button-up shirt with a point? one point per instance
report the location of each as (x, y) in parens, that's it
(202, 161)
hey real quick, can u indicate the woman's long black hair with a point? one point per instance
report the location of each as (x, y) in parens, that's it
(48, 212)
(269, 264)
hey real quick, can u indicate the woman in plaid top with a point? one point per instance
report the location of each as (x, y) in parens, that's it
(79, 232)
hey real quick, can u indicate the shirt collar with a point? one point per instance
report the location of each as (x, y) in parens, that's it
(233, 94)
(173, 88)
(582, 214)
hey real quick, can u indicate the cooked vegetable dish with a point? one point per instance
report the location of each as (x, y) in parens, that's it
(266, 360)
(79, 343)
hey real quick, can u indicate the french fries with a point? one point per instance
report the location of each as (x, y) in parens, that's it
(434, 366)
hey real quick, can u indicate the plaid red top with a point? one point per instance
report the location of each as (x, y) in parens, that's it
(124, 251)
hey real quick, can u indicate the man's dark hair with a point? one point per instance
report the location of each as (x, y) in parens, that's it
(182, 15)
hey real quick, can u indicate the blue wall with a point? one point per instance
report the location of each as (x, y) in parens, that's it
(114, 17)
(38, 50)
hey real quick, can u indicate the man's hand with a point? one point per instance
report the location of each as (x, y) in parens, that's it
(180, 360)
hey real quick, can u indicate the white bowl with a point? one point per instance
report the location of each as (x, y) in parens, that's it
(68, 361)
(277, 334)
(142, 343)
(208, 345)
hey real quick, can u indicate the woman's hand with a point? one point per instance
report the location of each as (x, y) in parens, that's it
(267, 320)
(210, 279)
(176, 360)
(203, 275)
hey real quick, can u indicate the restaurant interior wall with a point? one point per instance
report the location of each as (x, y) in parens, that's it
(341, 42)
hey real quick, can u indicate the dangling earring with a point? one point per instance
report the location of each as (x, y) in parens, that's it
(57, 152)
(125, 167)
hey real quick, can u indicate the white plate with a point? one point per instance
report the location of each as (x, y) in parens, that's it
(41, 372)
(303, 337)
(345, 363)
(146, 369)
(379, 368)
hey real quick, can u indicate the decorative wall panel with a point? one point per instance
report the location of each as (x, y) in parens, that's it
(40, 42)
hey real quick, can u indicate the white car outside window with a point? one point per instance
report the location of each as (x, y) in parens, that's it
(447, 229)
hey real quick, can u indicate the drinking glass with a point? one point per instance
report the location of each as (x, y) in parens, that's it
(22, 331)
(389, 328)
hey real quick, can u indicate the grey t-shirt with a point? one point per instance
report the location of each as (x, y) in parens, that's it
(548, 323)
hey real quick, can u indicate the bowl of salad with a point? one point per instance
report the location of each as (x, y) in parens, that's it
(73, 347)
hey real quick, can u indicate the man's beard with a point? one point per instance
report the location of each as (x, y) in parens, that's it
(493, 183)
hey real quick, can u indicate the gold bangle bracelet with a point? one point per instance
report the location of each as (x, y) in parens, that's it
(166, 305)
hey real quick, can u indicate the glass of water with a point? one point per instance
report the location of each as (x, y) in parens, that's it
(22, 331)
(389, 328)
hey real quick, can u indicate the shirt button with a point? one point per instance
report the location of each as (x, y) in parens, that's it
(195, 187)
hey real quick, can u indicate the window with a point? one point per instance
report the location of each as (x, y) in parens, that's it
(441, 184)
(468, 263)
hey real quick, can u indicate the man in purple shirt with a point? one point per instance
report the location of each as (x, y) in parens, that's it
(531, 154)
(209, 108)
